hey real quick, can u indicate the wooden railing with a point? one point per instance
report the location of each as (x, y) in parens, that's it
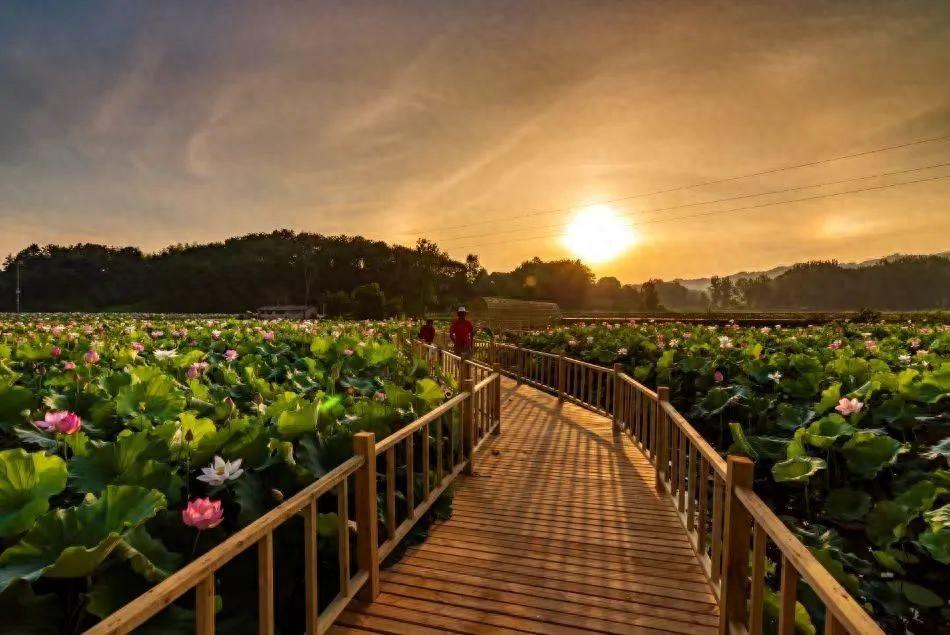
(714, 498)
(456, 429)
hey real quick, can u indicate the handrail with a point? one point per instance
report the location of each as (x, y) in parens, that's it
(158, 597)
(835, 597)
(717, 508)
(425, 419)
(480, 416)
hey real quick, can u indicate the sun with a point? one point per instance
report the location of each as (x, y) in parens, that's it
(598, 234)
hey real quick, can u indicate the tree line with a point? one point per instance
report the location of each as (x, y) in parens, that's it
(354, 276)
(902, 283)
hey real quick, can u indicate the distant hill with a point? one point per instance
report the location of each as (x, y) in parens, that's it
(702, 284)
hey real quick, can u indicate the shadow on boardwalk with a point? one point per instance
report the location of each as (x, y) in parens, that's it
(559, 531)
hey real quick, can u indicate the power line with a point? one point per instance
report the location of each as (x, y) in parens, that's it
(722, 200)
(701, 184)
(726, 211)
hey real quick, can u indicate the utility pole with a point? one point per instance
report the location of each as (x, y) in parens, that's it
(18, 291)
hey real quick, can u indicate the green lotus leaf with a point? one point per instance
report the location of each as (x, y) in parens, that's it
(847, 504)
(429, 392)
(796, 446)
(791, 416)
(25, 613)
(298, 421)
(939, 518)
(928, 387)
(772, 609)
(118, 586)
(134, 459)
(148, 556)
(157, 399)
(396, 396)
(919, 595)
(377, 353)
(797, 469)
(829, 398)
(14, 400)
(887, 560)
(824, 432)
(189, 435)
(828, 558)
(919, 497)
(72, 542)
(867, 452)
(937, 544)
(27, 480)
(739, 438)
(887, 522)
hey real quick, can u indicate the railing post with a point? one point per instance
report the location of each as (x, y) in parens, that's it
(204, 606)
(468, 426)
(662, 432)
(561, 377)
(618, 368)
(496, 405)
(520, 355)
(739, 473)
(367, 539)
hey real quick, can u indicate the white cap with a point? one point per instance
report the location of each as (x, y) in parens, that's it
(462, 310)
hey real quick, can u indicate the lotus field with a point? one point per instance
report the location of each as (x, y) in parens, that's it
(848, 427)
(130, 446)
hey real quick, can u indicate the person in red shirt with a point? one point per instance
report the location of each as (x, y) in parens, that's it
(462, 333)
(427, 332)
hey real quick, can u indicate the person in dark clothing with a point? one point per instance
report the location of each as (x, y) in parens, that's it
(462, 333)
(427, 332)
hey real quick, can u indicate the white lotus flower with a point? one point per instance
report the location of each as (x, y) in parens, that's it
(221, 471)
(776, 376)
(165, 354)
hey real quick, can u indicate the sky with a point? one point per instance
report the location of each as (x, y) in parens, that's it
(481, 125)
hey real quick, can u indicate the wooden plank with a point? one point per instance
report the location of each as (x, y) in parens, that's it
(343, 537)
(204, 606)
(390, 492)
(265, 585)
(757, 597)
(410, 477)
(311, 588)
(788, 595)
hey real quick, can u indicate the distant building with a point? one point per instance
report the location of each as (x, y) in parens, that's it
(504, 314)
(287, 312)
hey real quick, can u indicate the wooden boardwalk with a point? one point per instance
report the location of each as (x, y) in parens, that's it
(560, 530)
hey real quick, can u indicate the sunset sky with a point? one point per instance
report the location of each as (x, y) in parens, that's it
(481, 125)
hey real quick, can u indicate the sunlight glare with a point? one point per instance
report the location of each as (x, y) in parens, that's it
(598, 234)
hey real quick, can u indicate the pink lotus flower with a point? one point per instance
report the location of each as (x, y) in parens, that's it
(138, 348)
(61, 421)
(215, 335)
(348, 351)
(848, 406)
(269, 336)
(230, 354)
(68, 365)
(870, 344)
(380, 396)
(56, 351)
(91, 357)
(835, 345)
(202, 513)
(192, 372)
(718, 376)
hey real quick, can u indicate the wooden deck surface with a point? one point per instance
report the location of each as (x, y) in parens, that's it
(559, 531)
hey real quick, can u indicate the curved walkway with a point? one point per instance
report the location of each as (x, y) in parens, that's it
(560, 530)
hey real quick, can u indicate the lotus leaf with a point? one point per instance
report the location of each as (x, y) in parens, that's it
(27, 480)
(71, 542)
(847, 504)
(797, 469)
(824, 432)
(867, 452)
